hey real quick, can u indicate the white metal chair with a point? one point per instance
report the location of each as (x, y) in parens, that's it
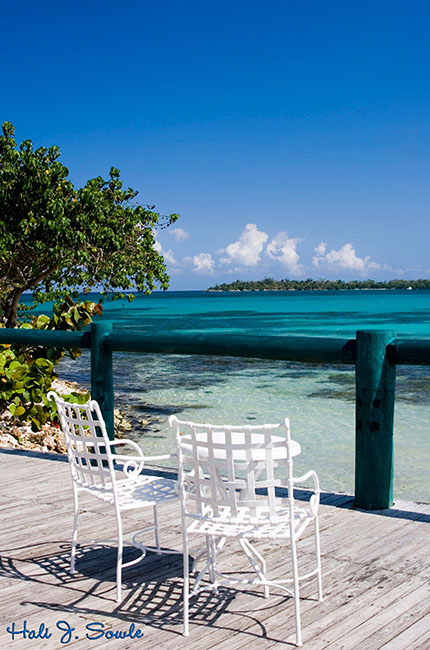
(94, 467)
(227, 479)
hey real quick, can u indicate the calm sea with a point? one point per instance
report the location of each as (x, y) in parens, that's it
(318, 399)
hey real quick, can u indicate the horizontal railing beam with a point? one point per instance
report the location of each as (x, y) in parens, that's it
(414, 353)
(288, 348)
(45, 338)
(309, 349)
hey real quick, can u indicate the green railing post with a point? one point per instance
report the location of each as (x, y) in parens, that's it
(101, 372)
(375, 395)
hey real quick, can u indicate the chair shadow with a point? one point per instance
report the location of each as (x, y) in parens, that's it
(96, 561)
(152, 589)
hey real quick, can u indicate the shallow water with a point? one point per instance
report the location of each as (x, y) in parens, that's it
(318, 399)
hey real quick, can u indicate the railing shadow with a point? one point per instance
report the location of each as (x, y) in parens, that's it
(62, 458)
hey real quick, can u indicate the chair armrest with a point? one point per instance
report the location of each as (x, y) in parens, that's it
(130, 443)
(132, 465)
(315, 498)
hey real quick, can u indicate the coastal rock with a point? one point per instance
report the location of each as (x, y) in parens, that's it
(121, 423)
(50, 439)
(63, 387)
(7, 440)
(18, 435)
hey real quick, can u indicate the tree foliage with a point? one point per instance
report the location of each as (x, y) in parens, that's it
(55, 238)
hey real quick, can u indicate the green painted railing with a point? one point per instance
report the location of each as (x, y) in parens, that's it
(374, 353)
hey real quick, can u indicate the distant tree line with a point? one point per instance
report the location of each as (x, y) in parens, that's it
(269, 284)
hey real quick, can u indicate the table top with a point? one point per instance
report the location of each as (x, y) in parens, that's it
(238, 438)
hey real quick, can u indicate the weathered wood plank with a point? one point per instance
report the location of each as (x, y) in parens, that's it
(374, 568)
(386, 626)
(349, 625)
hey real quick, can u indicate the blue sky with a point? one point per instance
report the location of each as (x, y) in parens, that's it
(291, 136)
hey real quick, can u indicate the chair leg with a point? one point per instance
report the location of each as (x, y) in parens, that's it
(318, 559)
(186, 591)
(296, 591)
(75, 530)
(156, 531)
(119, 559)
(257, 562)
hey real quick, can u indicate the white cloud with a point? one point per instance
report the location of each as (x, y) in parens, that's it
(345, 258)
(168, 255)
(320, 249)
(179, 234)
(283, 249)
(246, 251)
(203, 263)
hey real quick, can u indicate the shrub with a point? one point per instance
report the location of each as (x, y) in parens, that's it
(27, 372)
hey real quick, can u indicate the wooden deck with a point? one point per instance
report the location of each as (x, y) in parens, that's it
(375, 577)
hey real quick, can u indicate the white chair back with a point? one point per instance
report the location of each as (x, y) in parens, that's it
(232, 472)
(88, 445)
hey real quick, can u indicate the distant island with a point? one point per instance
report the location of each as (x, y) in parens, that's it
(269, 284)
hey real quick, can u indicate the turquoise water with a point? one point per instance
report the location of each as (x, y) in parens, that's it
(318, 399)
(317, 313)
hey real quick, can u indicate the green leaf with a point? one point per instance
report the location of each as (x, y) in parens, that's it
(42, 321)
(19, 374)
(36, 425)
(44, 363)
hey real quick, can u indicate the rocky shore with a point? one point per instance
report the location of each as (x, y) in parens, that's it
(50, 439)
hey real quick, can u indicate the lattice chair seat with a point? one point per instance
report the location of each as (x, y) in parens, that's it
(242, 526)
(141, 493)
(230, 483)
(99, 470)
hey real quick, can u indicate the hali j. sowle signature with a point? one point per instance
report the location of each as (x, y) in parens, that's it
(65, 633)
